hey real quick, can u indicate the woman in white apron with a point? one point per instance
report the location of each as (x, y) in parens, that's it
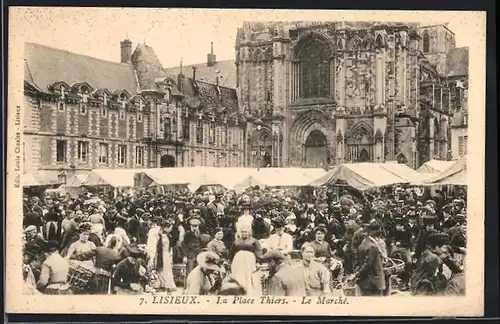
(160, 252)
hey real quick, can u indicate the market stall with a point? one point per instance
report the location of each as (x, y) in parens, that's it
(435, 166)
(360, 176)
(454, 175)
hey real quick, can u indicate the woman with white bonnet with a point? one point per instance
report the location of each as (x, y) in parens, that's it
(245, 220)
(245, 252)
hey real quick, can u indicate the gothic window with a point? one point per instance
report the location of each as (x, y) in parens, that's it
(315, 70)
(426, 42)
(167, 128)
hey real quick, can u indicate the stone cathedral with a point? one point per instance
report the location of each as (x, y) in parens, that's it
(319, 94)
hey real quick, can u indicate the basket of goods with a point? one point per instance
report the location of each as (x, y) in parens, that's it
(348, 286)
(264, 277)
(179, 272)
(394, 267)
(79, 276)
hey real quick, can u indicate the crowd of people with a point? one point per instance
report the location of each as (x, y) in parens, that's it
(273, 241)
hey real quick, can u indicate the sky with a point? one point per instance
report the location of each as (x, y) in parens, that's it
(177, 34)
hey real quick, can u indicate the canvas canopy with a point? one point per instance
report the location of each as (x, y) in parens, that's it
(435, 166)
(112, 177)
(287, 177)
(403, 171)
(361, 176)
(455, 175)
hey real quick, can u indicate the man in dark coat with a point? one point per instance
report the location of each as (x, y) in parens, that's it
(370, 274)
(192, 244)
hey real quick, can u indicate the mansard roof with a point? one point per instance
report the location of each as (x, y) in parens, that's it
(46, 65)
(226, 69)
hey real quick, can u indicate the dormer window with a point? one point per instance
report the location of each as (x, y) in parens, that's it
(167, 95)
(141, 105)
(85, 97)
(124, 103)
(62, 92)
(61, 106)
(105, 99)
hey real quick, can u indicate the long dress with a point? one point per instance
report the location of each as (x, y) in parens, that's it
(244, 271)
(158, 247)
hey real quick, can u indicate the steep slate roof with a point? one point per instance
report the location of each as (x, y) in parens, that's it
(147, 66)
(227, 76)
(457, 62)
(47, 65)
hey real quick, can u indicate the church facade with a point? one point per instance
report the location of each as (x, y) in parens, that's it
(320, 94)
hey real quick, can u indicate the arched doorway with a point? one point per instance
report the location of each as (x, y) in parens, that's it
(402, 159)
(316, 150)
(167, 161)
(364, 156)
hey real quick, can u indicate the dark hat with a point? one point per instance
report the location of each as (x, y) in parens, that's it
(51, 246)
(278, 222)
(85, 227)
(459, 217)
(374, 226)
(336, 208)
(438, 237)
(320, 228)
(134, 251)
(273, 255)
(400, 221)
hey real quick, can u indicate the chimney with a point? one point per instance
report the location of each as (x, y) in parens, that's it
(194, 73)
(211, 57)
(180, 78)
(126, 51)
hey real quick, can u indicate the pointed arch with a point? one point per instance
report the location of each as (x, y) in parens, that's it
(401, 159)
(314, 52)
(355, 43)
(368, 42)
(426, 42)
(379, 41)
(361, 132)
(308, 121)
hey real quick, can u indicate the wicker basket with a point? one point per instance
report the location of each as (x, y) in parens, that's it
(394, 267)
(79, 277)
(179, 272)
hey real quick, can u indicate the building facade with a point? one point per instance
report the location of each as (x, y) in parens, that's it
(320, 94)
(82, 113)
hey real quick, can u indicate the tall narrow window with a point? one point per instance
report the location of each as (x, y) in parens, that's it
(212, 132)
(139, 155)
(314, 70)
(199, 131)
(83, 151)
(61, 105)
(167, 128)
(465, 144)
(426, 42)
(122, 154)
(224, 134)
(104, 111)
(61, 151)
(185, 128)
(103, 153)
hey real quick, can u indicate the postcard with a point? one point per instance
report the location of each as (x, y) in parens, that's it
(260, 162)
